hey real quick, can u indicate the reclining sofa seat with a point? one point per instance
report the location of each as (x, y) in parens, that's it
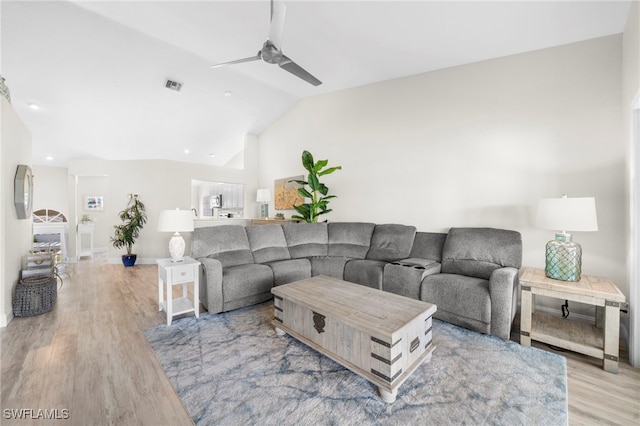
(478, 283)
(389, 242)
(229, 278)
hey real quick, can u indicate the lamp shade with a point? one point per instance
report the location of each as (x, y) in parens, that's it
(175, 221)
(264, 195)
(567, 214)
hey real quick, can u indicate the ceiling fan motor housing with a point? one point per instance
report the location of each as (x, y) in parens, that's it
(270, 54)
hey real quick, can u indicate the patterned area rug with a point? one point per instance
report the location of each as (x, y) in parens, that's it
(232, 369)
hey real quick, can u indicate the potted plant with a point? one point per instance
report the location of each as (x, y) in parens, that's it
(133, 218)
(317, 192)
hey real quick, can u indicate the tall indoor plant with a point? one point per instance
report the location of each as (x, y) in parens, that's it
(317, 192)
(133, 218)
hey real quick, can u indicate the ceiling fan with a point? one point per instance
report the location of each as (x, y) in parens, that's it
(271, 52)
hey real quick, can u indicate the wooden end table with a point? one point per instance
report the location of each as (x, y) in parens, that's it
(178, 273)
(589, 339)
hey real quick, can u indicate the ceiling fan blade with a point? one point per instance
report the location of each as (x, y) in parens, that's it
(276, 29)
(237, 61)
(295, 69)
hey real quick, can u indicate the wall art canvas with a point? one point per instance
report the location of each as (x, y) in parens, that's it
(286, 193)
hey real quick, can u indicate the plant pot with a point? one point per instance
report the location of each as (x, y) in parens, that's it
(129, 259)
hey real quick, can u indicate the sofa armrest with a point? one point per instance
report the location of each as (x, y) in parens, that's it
(211, 284)
(502, 289)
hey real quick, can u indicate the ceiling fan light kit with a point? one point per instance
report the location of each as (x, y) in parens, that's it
(271, 52)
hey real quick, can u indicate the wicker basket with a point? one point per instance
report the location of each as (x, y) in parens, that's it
(35, 296)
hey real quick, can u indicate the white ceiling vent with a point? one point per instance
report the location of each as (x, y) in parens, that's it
(173, 85)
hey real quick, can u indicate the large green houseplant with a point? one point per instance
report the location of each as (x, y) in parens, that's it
(133, 218)
(312, 189)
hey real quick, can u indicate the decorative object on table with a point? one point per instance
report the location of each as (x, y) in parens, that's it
(317, 192)
(564, 256)
(133, 218)
(286, 193)
(38, 265)
(176, 221)
(4, 90)
(86, 219)
(93, 203)
(280, 216)
(35, 296)
(263, 197)
(23, 191)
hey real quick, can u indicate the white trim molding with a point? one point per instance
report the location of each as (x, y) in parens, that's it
(634, 232)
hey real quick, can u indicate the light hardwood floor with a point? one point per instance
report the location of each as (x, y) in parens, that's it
(89, 356)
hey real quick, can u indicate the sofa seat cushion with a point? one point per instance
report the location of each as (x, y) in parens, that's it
(267, 243)
(365, 272)
(330, 266)
(477, 252)
(404, 277)
(458, 294)
(226, 243)
(350, 239)
(391, 242)
(306, 239)
(246, 280)
(288, 271)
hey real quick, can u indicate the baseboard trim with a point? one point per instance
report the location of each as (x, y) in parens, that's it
(139, 261)
(6, 319)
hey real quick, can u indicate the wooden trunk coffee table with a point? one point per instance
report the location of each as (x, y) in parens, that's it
(381, 336)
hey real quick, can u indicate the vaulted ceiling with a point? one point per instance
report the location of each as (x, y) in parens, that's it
(97, 70)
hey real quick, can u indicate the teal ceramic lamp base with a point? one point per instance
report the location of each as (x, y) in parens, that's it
(563, 259)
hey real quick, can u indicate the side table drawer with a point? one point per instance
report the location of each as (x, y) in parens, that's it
(182, 274)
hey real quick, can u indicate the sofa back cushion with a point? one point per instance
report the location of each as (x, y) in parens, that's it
(267, 243)
(477, 252)
(428, 245)
(350, 239)
(306, 239)
(391, 242)
(226, 243)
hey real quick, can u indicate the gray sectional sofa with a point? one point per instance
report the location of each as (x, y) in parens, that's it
(471, 274)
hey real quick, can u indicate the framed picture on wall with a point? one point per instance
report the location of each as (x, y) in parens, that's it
(286, 193)
(93, 203)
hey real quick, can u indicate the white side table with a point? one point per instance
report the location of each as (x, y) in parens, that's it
(85, 229)
(178, 273)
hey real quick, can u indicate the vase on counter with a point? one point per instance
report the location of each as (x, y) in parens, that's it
(4, 90)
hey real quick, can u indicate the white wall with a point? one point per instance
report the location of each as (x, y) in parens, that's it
(631, 94)
(475, 145)
(50, 189)
(161, 185)
(15, 234)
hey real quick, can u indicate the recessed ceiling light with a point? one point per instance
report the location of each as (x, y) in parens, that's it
(212, 155)
(49, 158)
(227, 93)
(186, 151)
(34, 107)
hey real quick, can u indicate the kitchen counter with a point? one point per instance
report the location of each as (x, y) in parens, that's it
(203, 223)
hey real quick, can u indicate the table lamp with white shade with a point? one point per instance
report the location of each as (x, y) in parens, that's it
(264, 197)
(176, 221)
(564, 256)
